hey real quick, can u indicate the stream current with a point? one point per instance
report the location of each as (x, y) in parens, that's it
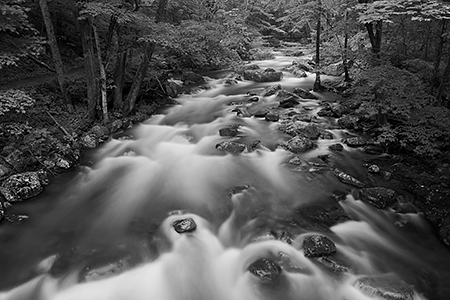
(105, 231)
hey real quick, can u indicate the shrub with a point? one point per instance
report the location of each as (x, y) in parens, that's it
(15, 101)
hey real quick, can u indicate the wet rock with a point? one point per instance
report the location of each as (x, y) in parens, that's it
(231, 81)
(286, 237)
(184, 225)
(191, 78)
(374, 169)
(231, 147)
(304, 93)
(89, 141)
(172, 88)
(380, 197)
(23, 186)
(336, 69)
(386, 175)
(319, 217)
(266, 236)
(251, 67)
(325, 112)
(350, 122)
(317, 246)
(386, 287)
(261, 113)
(347, 179)
(15, 219)
(272, 117)
(100, 131)
(326, 135)
(444, 231)
(336, 147)
(289, 102)
(228, 131)
(106, 271)
(63, 163)
(266, 270)
(338, 109)
(271, 90)
(298, 144)
(253, 99)
(268, 75)
(116, 125)
(307, 130)
(296, 161)
(355, 142)
(296, 71)
(373, 149)
(333, 265)
(304, 64)
(17, 159)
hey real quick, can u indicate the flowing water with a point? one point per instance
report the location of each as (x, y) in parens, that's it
(105, 231)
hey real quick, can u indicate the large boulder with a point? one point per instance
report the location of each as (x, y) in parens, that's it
(355, 142)
(191, 78)
(289, 102)
(380, 197)
(23, 186)
(385, 287)
(231, 147)
(317, 246)
(304, 64)
(268, 75)
(336, 69)
(298, 144)
(89, 141)
(350, 122)
(296, 71)
(172, 88)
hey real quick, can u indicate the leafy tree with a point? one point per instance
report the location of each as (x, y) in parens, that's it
(18, 37)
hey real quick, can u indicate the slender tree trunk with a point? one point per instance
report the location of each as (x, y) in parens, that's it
(119, 76)
(443, 85)
(161, 10)
(55, 51)
(89, 69)
(375, 36)
(317, 85)
(101, 67)
(345, 60)
(138, 78)
(440, 46)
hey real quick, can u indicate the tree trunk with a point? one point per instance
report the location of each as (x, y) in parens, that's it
(375, 36)
(161, 10)
(55, 51)
(345, 60)
(138, 78)
(101, 67)
(440, 97)
(435, 77)
(119, 76)
(88, 57)
(317, 85)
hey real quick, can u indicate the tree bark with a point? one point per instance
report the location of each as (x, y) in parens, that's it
(345, 60)
(161, 10)
(119, 76)
(88, 58)
(443, 85)
(55, 51)
(138, 78)
(440, 46)
(375, 36)
(317, 85)
(101, 67)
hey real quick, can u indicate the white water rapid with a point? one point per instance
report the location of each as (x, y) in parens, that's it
(108, 233)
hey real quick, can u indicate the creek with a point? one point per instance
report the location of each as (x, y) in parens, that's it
(105, 231)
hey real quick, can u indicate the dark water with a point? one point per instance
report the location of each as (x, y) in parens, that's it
(111, 219)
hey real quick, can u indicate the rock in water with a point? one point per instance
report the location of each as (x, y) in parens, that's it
(386, 287)
(336, 147)
(355, 142)
(22, 186)
(266, 270)
(272, 117)
(380, 197)
(228, 131)
(271, 90)
(231, 147)
(317, 246)
(184, 225)
(347, 179)
(298, 144)
(304, 93)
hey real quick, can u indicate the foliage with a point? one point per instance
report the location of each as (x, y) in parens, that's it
(15, 101)
(18, 38)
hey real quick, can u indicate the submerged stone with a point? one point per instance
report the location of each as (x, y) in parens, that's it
(228, 131)
(336, 147)
(317, 246)
(380, 197)
(266, 270)
(272, 117)
(386, 287)
(289, 102)
(184, 225)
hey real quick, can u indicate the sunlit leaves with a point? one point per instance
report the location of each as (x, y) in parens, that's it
(16, 101)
